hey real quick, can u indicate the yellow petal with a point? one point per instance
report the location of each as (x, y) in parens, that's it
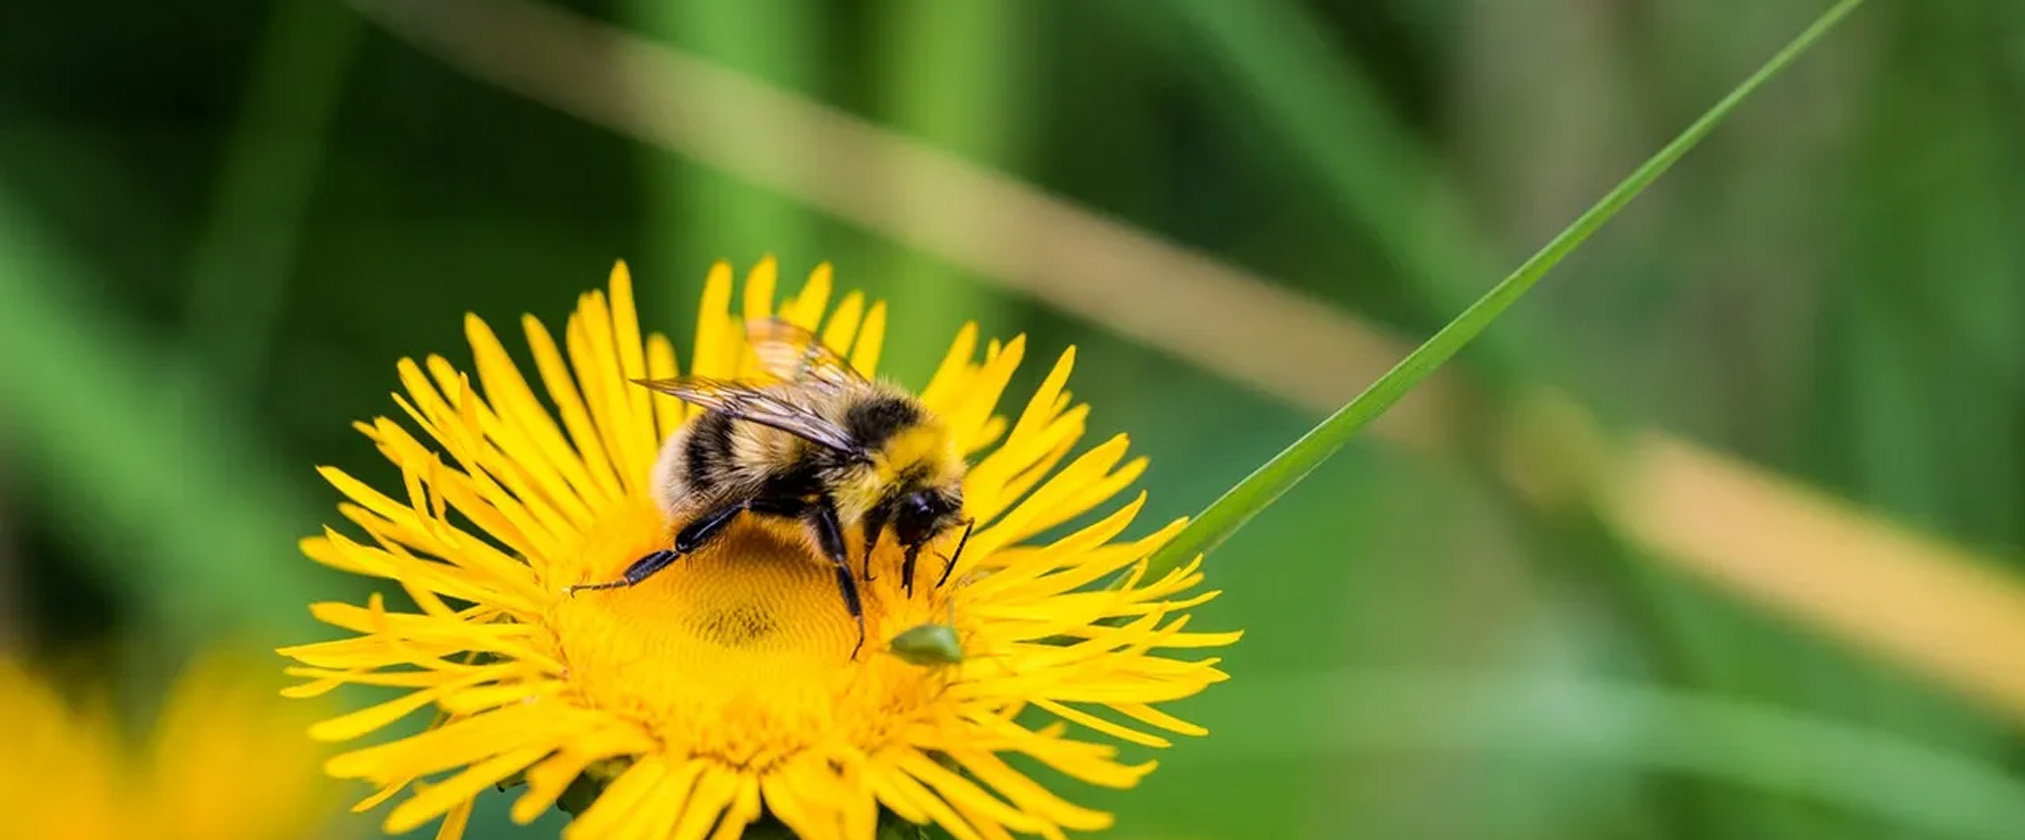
(871, 338)
(459, 790)
(807, 309)
(712, 329)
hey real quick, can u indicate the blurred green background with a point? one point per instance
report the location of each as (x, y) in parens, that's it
(221, 224)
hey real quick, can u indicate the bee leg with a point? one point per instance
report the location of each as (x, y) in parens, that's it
(874, 524)
(787, 506)
(850, 590)
(907, 569)
(950, 566)
(692, 537)
(641, 569)
(830, 538)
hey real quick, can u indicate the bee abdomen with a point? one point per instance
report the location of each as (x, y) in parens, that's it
(708, 453)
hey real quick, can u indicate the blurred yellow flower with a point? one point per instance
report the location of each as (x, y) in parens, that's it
(725, 688)
(226, 761)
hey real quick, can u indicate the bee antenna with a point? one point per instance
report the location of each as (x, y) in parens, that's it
(950, 566)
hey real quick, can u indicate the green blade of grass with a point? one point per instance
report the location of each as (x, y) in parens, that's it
(1238, 505)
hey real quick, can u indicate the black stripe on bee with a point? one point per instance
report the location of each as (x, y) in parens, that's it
(872, 422)
(709, 450)
(801, 479)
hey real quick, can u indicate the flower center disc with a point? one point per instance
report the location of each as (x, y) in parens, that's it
(742, 650)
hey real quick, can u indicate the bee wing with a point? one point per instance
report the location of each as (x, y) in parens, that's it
(755, 405)
(794, 354)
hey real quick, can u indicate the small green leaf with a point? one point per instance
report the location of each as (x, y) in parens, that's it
(928, 644)
(1265, 485)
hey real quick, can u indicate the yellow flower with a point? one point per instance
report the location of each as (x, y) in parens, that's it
(725, 688)
(225, 763)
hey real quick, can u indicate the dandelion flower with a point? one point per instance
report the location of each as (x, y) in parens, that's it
(224, 763)
(724, 690)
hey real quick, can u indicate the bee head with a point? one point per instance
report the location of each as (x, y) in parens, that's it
(921, 514)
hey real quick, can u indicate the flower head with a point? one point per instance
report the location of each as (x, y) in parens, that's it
(224, 763)
(725, 688)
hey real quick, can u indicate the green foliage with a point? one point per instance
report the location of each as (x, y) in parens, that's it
(137, 459)
(1827, 286)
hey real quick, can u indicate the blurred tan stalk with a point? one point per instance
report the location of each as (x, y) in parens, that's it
(1931, 607)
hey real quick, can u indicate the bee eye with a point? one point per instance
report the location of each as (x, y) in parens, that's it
(915, 518)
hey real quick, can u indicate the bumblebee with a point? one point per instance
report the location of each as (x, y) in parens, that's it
(822, 446)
